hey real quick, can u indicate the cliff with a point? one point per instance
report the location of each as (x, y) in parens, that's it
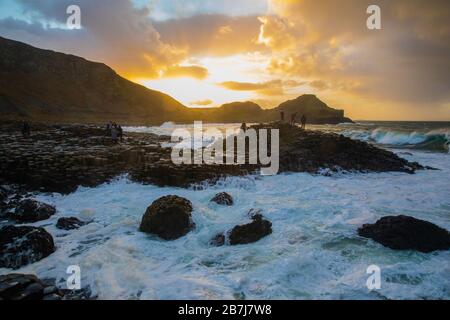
(47, 86)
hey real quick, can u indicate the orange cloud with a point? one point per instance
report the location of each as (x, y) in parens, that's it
(202, 103)
(269, 88)
(177, 71)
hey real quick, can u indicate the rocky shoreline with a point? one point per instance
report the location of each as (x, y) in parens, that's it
(61, 158)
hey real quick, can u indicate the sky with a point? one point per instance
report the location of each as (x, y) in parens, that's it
(208, 52)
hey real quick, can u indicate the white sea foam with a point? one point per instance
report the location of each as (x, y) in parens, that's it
(313, 253)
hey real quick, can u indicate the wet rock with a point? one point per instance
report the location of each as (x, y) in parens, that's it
(59, 159)
(218, 240)
(20, 287)
(247, 233)
(31, 211)
(29, 287)
(251, 232)
(168, 217)
(69, 223)
(23, 245)
(223, 198)
(407, 233)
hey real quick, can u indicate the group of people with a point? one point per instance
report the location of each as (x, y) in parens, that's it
(114, 131)
(293, 121)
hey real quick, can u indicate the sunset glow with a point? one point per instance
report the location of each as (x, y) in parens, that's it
(206, 53)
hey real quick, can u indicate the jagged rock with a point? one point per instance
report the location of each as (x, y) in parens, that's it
(223, 198)
(21, 287)
(407, 233)
(247, 233)
(61, 159)
(31, 211)
(70, 223)
(168, 217)
(16, 286)
(251, 232)
(23, 245)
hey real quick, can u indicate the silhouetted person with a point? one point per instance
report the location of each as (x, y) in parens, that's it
(120, 132)
(108, 129)
(293, 119)
(303, 122)
(114, 133)
(26, 129)
(282, 115)
(244, 127)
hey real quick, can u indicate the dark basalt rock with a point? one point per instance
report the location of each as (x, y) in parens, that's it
(31, 211)
(251, 232)
(69, 223)
(247, 233)
(23, 245)
(16, 286)
(21, 287)
(62, 158)
(168, 217)
(223, 198)
(407, 233)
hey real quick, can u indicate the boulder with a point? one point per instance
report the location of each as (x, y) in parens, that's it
(168, 217)
(29, 287)
(223, 198)
(23, 245)
(21, 287)
(407, 233)
(247, 233)
(32, 211)
(251, 232)
(69, 223)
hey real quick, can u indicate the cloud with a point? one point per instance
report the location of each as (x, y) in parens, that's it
(405, 62)
(202, 103)
(114, 32)
(212, 35)
(178, 71)
(269, 88)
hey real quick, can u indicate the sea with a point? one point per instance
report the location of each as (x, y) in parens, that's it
(314, 251)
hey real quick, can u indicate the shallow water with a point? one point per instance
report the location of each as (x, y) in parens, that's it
(314, 251)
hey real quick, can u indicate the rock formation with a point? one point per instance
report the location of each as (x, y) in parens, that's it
(69, 223)
(32, 211)
(223, 198)
(22, 245)
(61, 158)
(407, 233)
(168, 217)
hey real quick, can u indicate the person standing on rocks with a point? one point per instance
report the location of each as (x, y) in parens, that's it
(293, 119)
(114, 133)
(108, 129)
(303, 122)
(282, 115)
(26, 129)
(120, 132)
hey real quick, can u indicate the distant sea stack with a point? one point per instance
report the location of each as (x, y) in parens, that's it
(46, 86)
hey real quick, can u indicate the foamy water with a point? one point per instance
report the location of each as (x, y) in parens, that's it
(314, 251)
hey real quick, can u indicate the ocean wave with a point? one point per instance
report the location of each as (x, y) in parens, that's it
(436, 140)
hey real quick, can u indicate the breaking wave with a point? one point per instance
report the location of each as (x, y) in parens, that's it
(436, 140)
